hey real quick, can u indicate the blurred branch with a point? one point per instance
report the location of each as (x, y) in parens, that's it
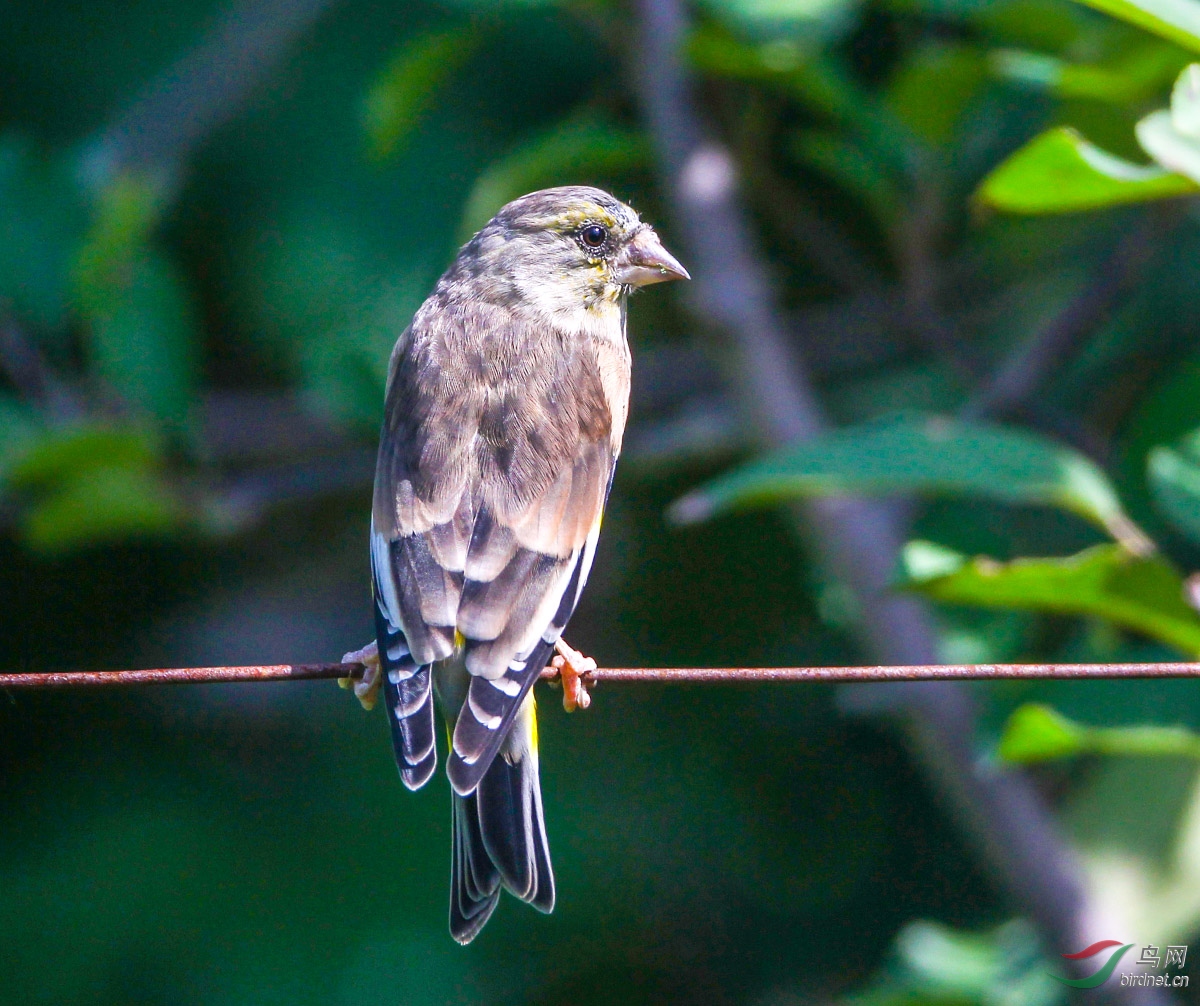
(627, 675)
(243, 501)
(239, 426)
(22, 362)
(859, 539)
(1020, 375)
(206, 87)
(794, 215)
(705, 429)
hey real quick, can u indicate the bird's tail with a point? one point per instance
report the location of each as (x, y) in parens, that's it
(500, 835)
(474, 879)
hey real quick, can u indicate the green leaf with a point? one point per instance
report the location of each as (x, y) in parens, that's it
(1174, 477)
(19, 431)
(952, 966)
(141, 327)
(103, 504)
(42, 221)
(1060, 172)
(808, 77)
(917, 454)
(1044, 25)
(1177, 21)
(1130, 78)
(58, 454)
(934, 965)
(126, 214)
(92, 483)
(407, 88)
(141, 335)
(932, 87)
(1037, 733)
(571, 153)
(845, 161)
(1145, 594)
(819, 19)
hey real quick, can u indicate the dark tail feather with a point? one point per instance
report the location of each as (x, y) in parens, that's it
(512, 826)
(474, 879)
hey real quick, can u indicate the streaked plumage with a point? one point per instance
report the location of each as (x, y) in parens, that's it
(506, 404)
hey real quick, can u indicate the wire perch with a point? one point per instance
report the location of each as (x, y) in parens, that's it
(667, 675)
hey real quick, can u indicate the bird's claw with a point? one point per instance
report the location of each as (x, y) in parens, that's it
(366, 688)
(572, 667)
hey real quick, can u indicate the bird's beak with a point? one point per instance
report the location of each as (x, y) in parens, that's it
(644, 260)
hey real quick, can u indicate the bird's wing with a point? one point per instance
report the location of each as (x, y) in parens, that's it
(408, 697)
(488, 497)
(530, 603)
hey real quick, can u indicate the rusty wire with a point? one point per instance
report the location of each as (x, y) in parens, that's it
(667, 675)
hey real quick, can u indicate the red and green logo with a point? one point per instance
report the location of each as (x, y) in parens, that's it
(1101, 976)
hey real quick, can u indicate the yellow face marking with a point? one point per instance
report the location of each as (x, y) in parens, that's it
(572, 219)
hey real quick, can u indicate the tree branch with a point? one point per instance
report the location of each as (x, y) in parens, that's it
(1020, 375)
(23, 364)
(858, 539)
(205, 88)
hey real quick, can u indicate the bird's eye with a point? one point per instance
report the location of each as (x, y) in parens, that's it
(593, 236)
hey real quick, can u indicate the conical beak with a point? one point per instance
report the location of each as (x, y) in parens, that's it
(644, 260)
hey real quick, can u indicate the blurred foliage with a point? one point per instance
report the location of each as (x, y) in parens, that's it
(1179, 23)
(1141, 593)
(937, 965)
(1060, 172)
(917, 454)
(395, 104)
(574, 147)
(192, 360)
(1174, 476)
(1036, 733)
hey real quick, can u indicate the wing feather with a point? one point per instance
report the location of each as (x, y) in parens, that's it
(408, 696)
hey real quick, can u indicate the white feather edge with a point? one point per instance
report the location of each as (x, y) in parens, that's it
(541, 625)
(381, 567)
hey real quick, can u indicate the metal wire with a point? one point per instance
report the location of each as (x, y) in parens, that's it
(666, 675)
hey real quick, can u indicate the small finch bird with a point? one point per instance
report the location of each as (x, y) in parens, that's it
(506, 403)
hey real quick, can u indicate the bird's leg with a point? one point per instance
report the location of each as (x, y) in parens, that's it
(366, 690)
(572, 666)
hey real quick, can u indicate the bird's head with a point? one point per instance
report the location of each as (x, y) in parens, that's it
(569, 248)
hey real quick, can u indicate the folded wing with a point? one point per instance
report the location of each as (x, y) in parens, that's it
(494, 469)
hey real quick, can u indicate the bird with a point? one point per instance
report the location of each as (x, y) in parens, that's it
(504, 411)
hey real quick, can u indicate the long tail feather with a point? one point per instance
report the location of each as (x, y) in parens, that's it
(474, 879)
(512, 826)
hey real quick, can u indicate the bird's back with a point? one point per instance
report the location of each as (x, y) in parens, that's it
(500, 440)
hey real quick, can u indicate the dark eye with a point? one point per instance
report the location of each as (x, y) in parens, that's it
(593, 236)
